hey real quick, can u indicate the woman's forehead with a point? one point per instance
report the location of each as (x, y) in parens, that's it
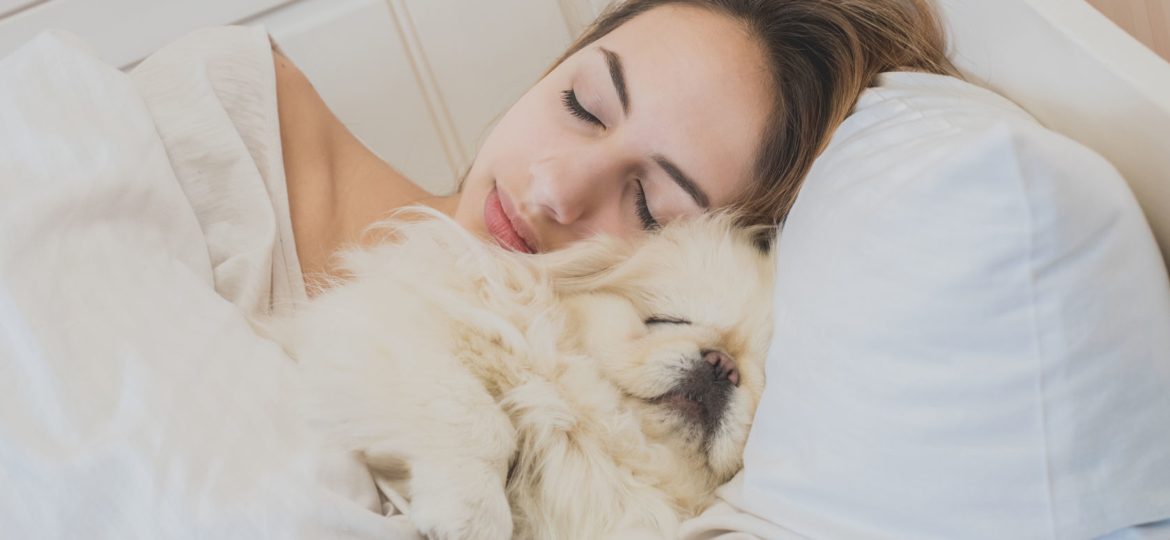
(699, 92)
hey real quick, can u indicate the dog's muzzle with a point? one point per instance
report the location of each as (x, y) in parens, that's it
(703, 393)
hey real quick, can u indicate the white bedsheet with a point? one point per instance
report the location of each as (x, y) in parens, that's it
(135, 401)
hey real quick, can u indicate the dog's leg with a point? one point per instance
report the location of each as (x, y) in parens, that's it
(458, 456)
(459, 499)
(419, 409)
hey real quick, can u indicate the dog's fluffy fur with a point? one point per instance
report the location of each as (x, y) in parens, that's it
(557, 396)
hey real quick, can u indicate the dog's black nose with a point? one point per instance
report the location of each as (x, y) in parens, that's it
(724, 367)
(705, 390)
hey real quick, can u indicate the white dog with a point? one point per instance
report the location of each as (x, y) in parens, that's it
(601, 391)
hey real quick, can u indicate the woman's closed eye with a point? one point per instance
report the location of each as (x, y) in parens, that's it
(643, 208)
(569, 98)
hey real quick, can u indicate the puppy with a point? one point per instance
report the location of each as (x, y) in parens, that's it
(601, 391)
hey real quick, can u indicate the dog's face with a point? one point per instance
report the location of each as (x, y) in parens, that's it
(681, 324)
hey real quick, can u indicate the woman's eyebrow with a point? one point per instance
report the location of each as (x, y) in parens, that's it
(618, 76)
(690, 186)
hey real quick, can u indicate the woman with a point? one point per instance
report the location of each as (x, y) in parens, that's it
(662, 108)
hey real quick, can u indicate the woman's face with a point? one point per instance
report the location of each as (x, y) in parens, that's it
(660, 118)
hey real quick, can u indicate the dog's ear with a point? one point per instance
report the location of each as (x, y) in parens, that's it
(588, 265)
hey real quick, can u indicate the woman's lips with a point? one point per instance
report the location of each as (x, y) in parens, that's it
(518, 223)
(498, 216)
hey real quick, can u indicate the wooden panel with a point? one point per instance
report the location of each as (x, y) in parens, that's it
(482, 55)
(354, 57)
(1159, 13)
(1146, 20)
(124, 31)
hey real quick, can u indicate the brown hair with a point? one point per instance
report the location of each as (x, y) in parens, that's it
(821, 54)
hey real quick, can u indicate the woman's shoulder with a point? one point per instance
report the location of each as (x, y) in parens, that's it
(334, 186)
(311, 139)
(337, 187)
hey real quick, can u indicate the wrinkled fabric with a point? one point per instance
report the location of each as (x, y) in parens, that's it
(142, 223)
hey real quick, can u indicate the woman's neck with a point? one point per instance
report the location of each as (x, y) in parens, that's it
(337, 187)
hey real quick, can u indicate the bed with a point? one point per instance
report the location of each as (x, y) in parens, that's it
(1062, 61)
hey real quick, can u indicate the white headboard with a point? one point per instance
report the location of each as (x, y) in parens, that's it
(1080, 75)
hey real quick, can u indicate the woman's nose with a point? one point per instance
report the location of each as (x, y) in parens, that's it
(572, 189)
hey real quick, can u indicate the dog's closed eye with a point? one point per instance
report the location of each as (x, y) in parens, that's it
(665, 320)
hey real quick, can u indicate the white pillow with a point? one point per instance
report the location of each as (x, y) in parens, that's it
(972, 334)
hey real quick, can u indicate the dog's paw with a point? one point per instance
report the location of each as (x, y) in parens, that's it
(479, 514)
(455, 502)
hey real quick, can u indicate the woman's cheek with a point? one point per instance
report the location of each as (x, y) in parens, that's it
(538, 133)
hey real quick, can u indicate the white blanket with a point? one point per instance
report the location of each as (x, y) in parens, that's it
(135, 401)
